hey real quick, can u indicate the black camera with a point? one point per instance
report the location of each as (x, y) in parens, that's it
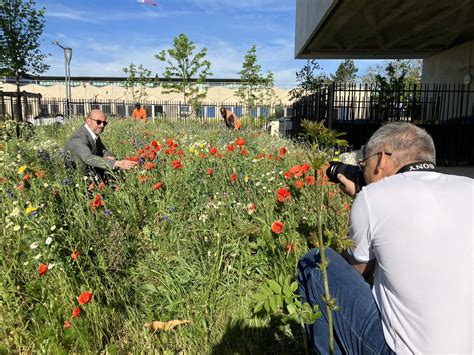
(352, 172)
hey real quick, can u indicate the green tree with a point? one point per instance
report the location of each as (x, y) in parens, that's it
(255, 87)
(21, 27)
(191, 68)
(308, 81)
(346, 72)
(136, 82)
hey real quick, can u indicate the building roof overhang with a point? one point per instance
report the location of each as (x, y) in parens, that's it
(388, 29)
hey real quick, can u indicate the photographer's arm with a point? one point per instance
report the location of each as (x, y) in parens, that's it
(365, 269)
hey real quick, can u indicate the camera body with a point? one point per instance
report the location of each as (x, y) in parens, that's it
(352, 172)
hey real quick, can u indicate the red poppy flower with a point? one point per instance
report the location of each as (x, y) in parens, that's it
(20, 186)
(42, 269)
(169, 142)
(149, 165)
(295, 171)
(91, 187)
(243, 152)
(261, 155)
(122, 142)
(277, 227)
(67, 324)
(168, 151)
(140, 151)
(147, 147)
(101, 185)
(240, 141)
(233, 177)
(97, 202)
(143, 178)
(289, 248)
(287, 175)
(75, 255)
(283, 151)
(152, 155)
(305, 168)
(85, 297)
(283, 194)
(40, 173)
(218, 155)
(210, 171)
(203, 155)
(76, 312)
(330, 194)
(176, 164)
(270, 156)
(27, 177)
(213, 151)
(310, 180)
(230, 148)
(180, 153)
(154, 143)
(157, 185)
(299, 184)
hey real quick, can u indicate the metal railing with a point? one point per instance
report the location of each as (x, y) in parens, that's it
(445, 111)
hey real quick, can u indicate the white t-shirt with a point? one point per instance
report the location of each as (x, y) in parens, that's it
(419, 227)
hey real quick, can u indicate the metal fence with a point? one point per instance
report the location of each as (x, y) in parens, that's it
(45, 109)
(445, 111)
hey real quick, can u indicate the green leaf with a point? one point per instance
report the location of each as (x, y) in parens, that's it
(276, 288)
(258, 307)
(149, 288)
(259, 297)
(291, 308)
(294, 286)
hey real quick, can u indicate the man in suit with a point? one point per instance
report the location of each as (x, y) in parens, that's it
(86, 147)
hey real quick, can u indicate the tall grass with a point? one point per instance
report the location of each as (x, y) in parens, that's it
(191, 249)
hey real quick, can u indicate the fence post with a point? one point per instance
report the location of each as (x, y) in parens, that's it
(330, 104)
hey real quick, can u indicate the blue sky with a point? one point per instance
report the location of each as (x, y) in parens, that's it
(107, 35)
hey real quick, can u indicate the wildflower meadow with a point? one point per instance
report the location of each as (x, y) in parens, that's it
(194, 252)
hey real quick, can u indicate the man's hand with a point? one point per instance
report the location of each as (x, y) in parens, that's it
(125, 164)
(347, 186)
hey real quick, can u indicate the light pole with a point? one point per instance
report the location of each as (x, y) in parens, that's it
(67, 67)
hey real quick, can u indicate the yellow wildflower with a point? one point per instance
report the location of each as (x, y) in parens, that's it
(30, 209)
(21, 169)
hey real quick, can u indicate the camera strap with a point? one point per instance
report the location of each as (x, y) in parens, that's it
(418, 166)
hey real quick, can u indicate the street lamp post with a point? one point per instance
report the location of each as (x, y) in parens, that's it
(67, 67)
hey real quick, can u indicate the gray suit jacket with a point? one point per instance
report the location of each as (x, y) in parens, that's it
(88, 154)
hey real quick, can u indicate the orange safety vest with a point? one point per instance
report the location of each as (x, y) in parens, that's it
(139, 114)
(236, 119)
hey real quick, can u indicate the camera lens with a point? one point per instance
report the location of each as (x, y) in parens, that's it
(352, 172)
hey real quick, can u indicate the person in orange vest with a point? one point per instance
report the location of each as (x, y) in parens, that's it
(231, 120)
(139, 113)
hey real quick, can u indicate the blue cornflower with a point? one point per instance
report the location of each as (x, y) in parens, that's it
(66, 181)
(34, 213)
(108, 212)
(166, 217)
(172, 209)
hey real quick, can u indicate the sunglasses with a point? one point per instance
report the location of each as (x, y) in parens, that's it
(99, 122)
(362, 163)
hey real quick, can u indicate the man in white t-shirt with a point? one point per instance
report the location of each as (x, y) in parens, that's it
(413, 226)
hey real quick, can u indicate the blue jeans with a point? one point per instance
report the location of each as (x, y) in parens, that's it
(357, 324)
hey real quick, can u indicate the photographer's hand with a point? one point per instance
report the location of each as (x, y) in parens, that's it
(347, 186)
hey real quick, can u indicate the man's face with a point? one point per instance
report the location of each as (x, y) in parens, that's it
(97, 122)
(377, 166)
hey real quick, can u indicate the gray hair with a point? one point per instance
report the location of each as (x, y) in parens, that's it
(407, 143)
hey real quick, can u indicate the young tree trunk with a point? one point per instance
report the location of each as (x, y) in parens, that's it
(19, 117)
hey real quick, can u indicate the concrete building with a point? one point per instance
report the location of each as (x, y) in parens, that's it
(219, 91)
(441, 32)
